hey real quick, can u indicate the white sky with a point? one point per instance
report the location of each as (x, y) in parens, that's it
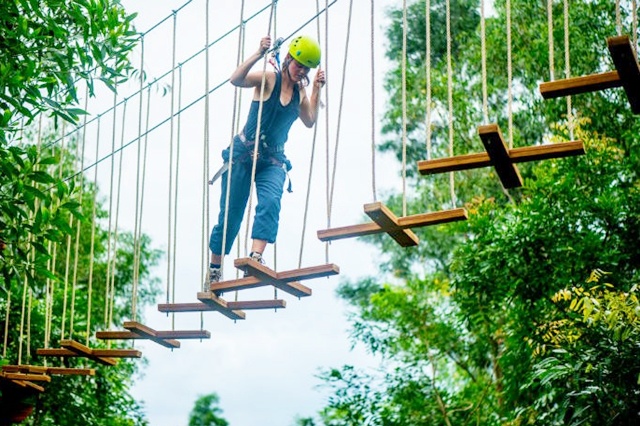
(263, 368)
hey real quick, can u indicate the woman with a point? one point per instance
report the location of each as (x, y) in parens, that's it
(284, 100)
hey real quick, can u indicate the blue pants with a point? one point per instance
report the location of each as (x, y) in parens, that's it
(270, 178)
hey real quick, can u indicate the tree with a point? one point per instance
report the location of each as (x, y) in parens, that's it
(206, 412)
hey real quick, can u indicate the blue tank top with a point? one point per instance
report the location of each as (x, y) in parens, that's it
(276, 118)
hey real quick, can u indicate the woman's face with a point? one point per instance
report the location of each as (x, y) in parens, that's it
(297, 71)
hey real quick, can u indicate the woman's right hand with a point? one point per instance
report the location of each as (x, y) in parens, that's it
(265, 44)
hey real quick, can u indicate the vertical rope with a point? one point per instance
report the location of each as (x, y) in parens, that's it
(6, 325)
(340, 105)
(618, 18)
(509, 75)
(170, 183)
(550, 35)
(117, 215)
(205, 166)
(136, 237)
(404, 107)
(427, 61)
(311, 164)
(634, 23)
(110, 222)
(234, 130)
(373, 103)
(136, 281)
(450, 100)
(175, 198)
(79, 223)
(326, 129)
(93, 232)
(567, 66)
(483, 49)
(257, 135)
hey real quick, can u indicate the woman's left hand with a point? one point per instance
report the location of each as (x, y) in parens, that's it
(319, 79)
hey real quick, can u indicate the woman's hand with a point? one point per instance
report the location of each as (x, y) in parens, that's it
(265, 44)
(320, 79)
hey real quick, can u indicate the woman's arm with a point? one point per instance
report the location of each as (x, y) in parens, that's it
(309, 106)
(241, 76)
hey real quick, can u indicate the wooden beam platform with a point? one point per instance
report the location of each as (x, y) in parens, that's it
(24, 368)
(26, 377)
(500, 157)
(136, 330)
(626, 74)
(286, 280)
(25, 384)
(64, 371)
(391, 224)
(71, 348)
(234, 306)
(220, 305)
(168, 334)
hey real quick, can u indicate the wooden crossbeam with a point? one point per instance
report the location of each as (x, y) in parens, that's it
(24, 384)
(220, 305)
(164, 334)
(388, 222)
(26, 377)
(24, 368)
(149, 333)
(268, 276)
(496, 148)
(392, 224)
(234, 306)
(500, 157)
(64, 371)
(626, 74)
(626, 63)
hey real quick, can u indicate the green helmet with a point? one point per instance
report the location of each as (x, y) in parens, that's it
(305, 50)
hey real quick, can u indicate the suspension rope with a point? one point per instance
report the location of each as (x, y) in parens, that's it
(340, 105)
(634, 23)
(373, 104)
(550, 36)
(93, 236)
(404, 107)
(483, 50)
(110, 223)
(450, 100)
(257, 135)
(567, 66)
(78, 227)
(138, 240)
(205, 150)
(235, 127)
(427, 61)
(618, 18)
(171, 141)
(311, 163)
(509, 75)
(175, 199)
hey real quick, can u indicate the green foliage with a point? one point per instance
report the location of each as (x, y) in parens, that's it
(461, 320)
(206, 412)
(46, 47)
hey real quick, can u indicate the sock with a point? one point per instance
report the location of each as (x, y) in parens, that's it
(213, 265)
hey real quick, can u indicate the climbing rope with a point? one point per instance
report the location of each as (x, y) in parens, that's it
(404, 107)
(373, 104)
(450, 100)
(483, 50)
(509, 76)
(170, 235)
(427, 62)
(567, 66)
(93, 236)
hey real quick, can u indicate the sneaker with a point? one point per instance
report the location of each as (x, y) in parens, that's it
(215, 275)
(257, 257)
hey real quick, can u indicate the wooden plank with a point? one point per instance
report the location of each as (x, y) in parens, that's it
(269, 277)
(349, 231)
(385, 218)
(150, 334)
(308, 273)
(412, 221)
(28, 377)
(24, 368)
(220, 305)
(29, 384)
(547, 151)
(170, 334)
(497, 149)
(579, 85)
(239, 305)
(85, 351)
(454, 164)
(626, 63)
(63, 371)
(258, 304)
(111, 353)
